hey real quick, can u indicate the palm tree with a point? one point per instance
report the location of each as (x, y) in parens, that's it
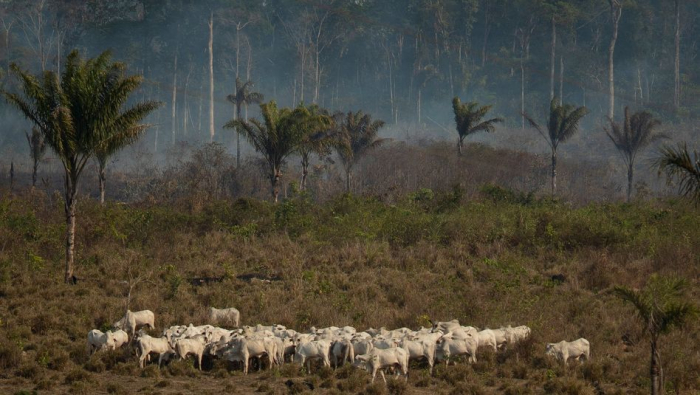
(563, 123)
(317, 138)
(357, 135)
(278, 136)
(679, 163)
(636, 133)
(660, 306)
(79, 114)
(468, 118)
(242, 96)
(37, 149)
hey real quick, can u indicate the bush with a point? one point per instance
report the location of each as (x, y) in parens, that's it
(76, 376)
(10, 354)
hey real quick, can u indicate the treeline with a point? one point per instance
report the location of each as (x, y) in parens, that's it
(403, 59)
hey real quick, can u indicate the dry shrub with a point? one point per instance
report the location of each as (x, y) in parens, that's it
(151, 371)
(44, 385)
(116, 389)
(10, 354)
(376, 388)
(466, 389)
(29, 370)
(397, 386)
(182, 368)
(567, 385)
(77, 375)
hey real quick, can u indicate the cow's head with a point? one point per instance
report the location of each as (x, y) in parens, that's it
(549, 349)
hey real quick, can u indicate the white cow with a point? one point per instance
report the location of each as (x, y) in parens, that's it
(565, 350)
(379, 359)
(316, 349)
(132, 321)
(342, 350)
(147, 344)
(116, 339)
(194, 346)
(419, 349)
(229, 316)
(448, 347)
(445, 326)
(96, 340)
(486, 338)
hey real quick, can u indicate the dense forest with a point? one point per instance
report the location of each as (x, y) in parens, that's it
(402, 61)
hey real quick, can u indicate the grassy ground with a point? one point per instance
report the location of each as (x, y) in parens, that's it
(487, 261)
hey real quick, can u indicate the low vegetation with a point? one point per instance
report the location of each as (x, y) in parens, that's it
(500, 257)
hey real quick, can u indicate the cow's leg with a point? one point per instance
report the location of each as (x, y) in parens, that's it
(383, 376)
(199, 361)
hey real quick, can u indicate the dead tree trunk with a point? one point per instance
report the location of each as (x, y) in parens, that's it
(552, 56)
(173, 119)
(211, 78)
(615, 14)
(677, 68)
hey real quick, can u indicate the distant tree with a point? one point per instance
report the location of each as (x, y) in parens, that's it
(37, 149)
(357, 135)
(661, 305)
(242, 96)
(636, 133)
(679, 163)
(563, 123)
(468, 119)
(78, 115)
(279, 135)
(318, 138)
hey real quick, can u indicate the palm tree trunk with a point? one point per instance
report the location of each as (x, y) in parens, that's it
(35, 170)
(656, 371)
(274, 183)
(103, 180)
(554, 172)
(71, 200)
(459, 146)
(630, 177)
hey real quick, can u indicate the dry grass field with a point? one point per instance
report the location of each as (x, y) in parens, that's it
(487, 260)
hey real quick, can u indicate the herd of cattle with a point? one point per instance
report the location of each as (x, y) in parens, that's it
(372, 349)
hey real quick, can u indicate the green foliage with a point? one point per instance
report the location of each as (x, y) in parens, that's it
(468, 117)
(678, 163)
(661, 304)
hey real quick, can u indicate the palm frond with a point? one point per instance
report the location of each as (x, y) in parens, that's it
(679, 164)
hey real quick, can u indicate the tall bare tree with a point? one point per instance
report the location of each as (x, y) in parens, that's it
(635, 133)
(615, 15)
(561, 126)
(211, 77)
